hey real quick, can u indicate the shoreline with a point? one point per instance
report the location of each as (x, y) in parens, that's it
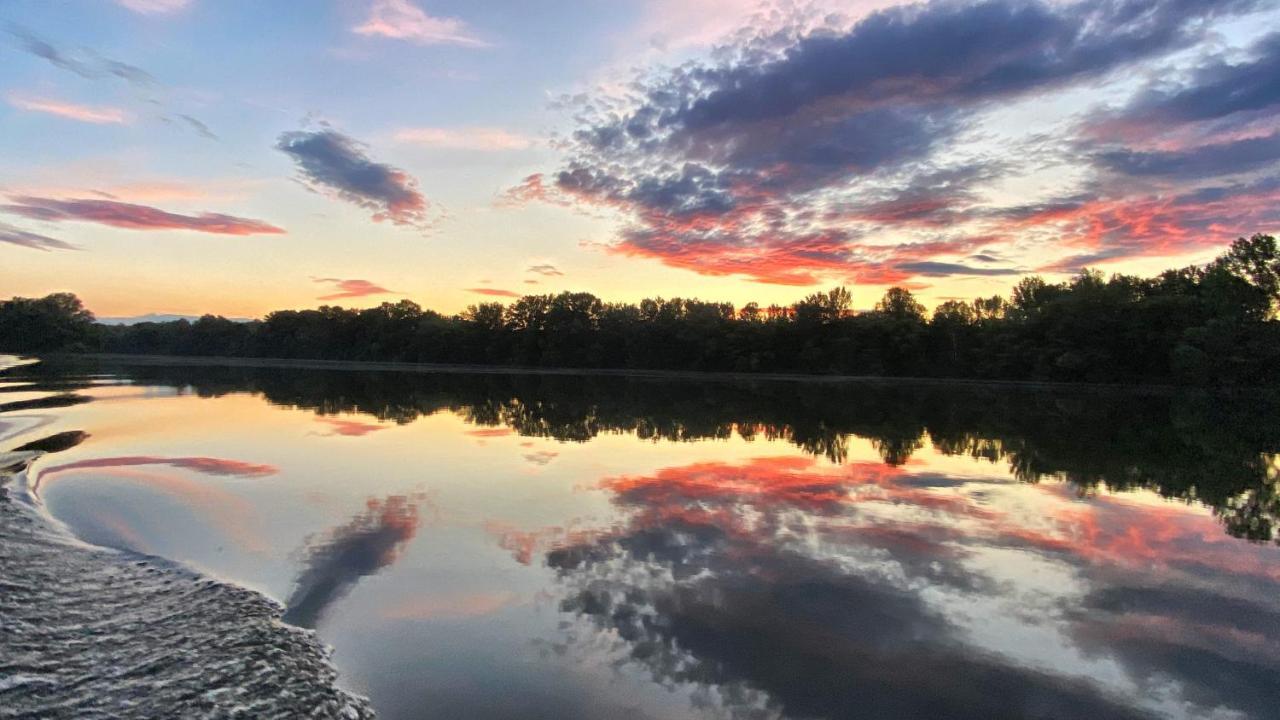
(677, 375)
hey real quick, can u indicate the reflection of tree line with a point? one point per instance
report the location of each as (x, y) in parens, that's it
(1185, 445)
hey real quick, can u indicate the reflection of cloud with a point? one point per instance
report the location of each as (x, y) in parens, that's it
(334, 563)
(349, 428)
(402, 20)
(490, 432)
(205, 465)
(230, 513)
(133, 217)
(541, 457)
(798, 585)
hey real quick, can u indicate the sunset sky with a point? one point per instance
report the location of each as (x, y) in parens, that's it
(191, 156)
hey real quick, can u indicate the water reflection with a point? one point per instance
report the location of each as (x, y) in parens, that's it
(334, 563)
(766, 550)
(782, 588)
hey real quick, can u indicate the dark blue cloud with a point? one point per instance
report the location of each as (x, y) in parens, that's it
(1216, 89)
(1199, 162)
(736, 166)
(932, 268)
(85, 64)
(329, 160)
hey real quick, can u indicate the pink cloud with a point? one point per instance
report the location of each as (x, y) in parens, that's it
(133, 217)
(494, 292)
(351, 288)
(402, 20)
(470, 138)
(98, 115)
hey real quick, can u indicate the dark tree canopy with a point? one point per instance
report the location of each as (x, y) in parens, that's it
(1206, 325)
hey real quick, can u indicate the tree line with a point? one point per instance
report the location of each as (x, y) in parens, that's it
(1205, 325)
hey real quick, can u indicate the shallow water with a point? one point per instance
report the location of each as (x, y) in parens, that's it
(557, 547)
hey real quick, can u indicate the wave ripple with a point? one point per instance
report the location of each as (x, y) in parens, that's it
(87, 632)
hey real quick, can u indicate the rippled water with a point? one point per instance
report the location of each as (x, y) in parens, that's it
(556, 547)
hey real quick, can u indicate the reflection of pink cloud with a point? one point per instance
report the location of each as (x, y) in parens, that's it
(490, 432)
(524, 545)
(349, 428)
(71, 111)
(230, 513)
(351, 288)
(133, 217)
(440, 607)
(206, 465)
(493, 292)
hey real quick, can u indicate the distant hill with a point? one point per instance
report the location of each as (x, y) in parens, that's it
(154, 318)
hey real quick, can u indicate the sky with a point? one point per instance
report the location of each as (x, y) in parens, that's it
(236, 157)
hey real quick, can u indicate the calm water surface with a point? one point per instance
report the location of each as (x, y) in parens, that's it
(551, 547)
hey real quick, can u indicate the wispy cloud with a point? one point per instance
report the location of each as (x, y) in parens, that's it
(83, 113)
(493, 292)
(351, 288)
(200, 128)
(22, 238)
(545, 269)
(86, 64)
(402, 20)
(154, 7)
(470, 138)
(133, 217)
(329, 160)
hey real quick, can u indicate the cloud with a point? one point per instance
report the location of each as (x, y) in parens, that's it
(22, 238)
(1215, 90)
(200, 128)
(329, 160)
(133, 217)
(545, 269)
(474, 138)
(85, 64)
(780, 158)
(351, 288)
(933, 268)
(1204, 161)
(493, 292)
(402, 20)
(154, 7)
(71, 111)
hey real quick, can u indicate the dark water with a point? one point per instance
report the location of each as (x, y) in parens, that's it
(553, 547)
